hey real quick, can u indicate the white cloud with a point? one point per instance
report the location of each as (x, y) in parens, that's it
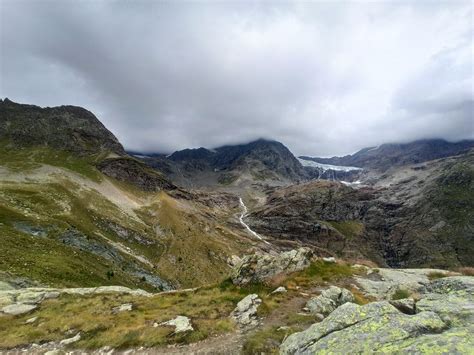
(323, 78)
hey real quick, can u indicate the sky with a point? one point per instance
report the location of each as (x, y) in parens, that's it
(324, 78)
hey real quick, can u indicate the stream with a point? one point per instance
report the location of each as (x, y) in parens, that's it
(241, 219)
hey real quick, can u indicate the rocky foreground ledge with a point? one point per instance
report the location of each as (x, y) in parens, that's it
(289, 302)
(415, 310)
(440, 322)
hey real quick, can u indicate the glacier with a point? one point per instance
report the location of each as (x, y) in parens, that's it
(325, 167)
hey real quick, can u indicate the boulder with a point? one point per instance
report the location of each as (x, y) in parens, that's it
(245, 314)
(260, 267)
(181, 323)
(329, 300)
(338, 295)
(68, 341)
(321, 305)
(18, 308)
(280, 289)
(122, 308)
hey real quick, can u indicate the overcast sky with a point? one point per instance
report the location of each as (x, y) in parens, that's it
(324, 78)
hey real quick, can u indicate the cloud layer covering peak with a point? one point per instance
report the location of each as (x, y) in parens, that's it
(323, 78)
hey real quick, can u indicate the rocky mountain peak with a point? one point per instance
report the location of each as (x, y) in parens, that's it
(68, 128)
(191, 154)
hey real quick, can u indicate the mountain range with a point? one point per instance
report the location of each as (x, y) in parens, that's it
(78, 211)
(386, 156)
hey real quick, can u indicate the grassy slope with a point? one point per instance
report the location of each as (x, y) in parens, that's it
(208, 308)
(61, 202)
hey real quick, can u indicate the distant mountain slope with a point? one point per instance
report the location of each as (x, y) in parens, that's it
(259, 160)
(388, 155)
(272, 154)
(69, 128)
(414, 216)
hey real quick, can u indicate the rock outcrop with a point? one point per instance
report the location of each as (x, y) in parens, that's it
(26, 299)
(18, 308)
(354, 329)
(383, 283)
(262, 267)
(136, 173)
(329, 300)
(443, 323)
(408, 217)
(245, 314)
(180, 323)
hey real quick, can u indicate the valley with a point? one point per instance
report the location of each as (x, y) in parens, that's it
(100, 247)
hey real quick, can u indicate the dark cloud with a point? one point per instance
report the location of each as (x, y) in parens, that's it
(322, 78)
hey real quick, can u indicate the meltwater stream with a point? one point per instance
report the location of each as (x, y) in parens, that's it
(241, 219)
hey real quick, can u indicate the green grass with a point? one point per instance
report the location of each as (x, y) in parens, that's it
(55, 208)
(454, 195)
(25, 159)
(191, 240)
(52, 263)
(319, 272)
(436, 275)
(208, 309)
(400, 294)
(268, 339)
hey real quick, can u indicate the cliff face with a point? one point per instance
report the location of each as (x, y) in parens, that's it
(68, 128)
(136, 173)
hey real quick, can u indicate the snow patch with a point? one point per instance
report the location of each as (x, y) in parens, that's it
(325, 167)
(373, 148)
(140, 156)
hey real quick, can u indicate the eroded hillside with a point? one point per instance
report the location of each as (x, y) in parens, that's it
(414, 216)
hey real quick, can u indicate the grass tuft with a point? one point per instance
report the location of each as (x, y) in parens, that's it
(400, 294)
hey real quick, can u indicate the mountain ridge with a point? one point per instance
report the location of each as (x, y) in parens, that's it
(70, 128)
(396, 154)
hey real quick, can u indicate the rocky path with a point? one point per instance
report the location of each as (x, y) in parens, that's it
(229, 344)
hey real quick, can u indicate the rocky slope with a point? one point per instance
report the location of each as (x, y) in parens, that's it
(259, 161)
(413, 216)
(73, 213)
(438, 321)
(388, 155)
(68, 128)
